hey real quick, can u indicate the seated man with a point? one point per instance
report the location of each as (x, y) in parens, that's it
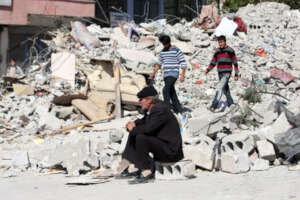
(157, 133)
(14, 70)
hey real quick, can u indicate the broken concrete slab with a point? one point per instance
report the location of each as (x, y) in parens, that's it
(253, 157)
(266, 150)
(201, 153)
(21, 89)
(44, 124)
(62, 112)
(260, 165)
(116, 135)
(73, 154)
(11, 172)
(281, 125)
(15, 159)
(145, 43)
(288, 142)
(63, 67)
(97, 144)
(140, 57)
(235, 163)
(81, 34)
(107, 157)
(89, 109)
(45, 117)
(197, 126)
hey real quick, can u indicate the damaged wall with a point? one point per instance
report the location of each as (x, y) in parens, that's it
(18, 14)
(4, 43)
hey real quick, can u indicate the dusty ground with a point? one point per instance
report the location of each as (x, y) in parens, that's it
(276, 183)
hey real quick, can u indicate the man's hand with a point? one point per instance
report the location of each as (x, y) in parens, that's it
(151, 76)
(236, 78)
(182, 78)
(206, 72)
(156, 68)
(130, 126)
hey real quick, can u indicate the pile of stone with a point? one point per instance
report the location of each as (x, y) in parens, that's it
(246, 136)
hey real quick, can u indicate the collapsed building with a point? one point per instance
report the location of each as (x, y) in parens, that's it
(68, 113)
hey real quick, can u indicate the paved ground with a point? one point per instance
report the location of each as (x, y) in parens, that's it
(276, 184)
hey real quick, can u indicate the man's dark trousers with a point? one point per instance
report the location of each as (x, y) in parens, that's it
(169, 93)
(138, 148)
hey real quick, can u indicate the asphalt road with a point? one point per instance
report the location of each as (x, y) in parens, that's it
(277, 184)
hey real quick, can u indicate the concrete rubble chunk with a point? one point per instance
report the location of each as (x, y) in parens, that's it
(288, 142)
(237, 143)
(276, 162)
(44, 122)
(281, 125)
(97, 145)
(197, 126)
(138, 60)
(12, 172)
(266, 150)
(73, 154)
(15, 159)
(201, 153)
(180, 170)
(62, 112)
(21, 89)
(116, 135)
(124, 141)
(107, 157)
(253, 157)
(235, 163)
(260, 165)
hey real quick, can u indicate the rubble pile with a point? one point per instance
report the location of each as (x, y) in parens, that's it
(253, 134)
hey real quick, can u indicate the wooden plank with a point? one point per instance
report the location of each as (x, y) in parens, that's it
(82, 124)
(118, 111)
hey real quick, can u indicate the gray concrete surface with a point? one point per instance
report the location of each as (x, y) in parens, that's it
(276, 184)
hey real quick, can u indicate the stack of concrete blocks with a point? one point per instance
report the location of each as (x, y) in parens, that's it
(181, 170)
(197, 126)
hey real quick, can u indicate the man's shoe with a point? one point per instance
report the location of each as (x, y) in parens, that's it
(126, 175)
(142, 179)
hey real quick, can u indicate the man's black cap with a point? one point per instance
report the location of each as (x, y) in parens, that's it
(147, 92)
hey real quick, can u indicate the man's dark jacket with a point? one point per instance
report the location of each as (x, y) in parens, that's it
(162, 124)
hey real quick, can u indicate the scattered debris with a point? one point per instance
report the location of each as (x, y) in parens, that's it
(82, 90)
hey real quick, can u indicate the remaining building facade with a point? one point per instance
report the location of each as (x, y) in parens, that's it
(141, 10)
(20, 19)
